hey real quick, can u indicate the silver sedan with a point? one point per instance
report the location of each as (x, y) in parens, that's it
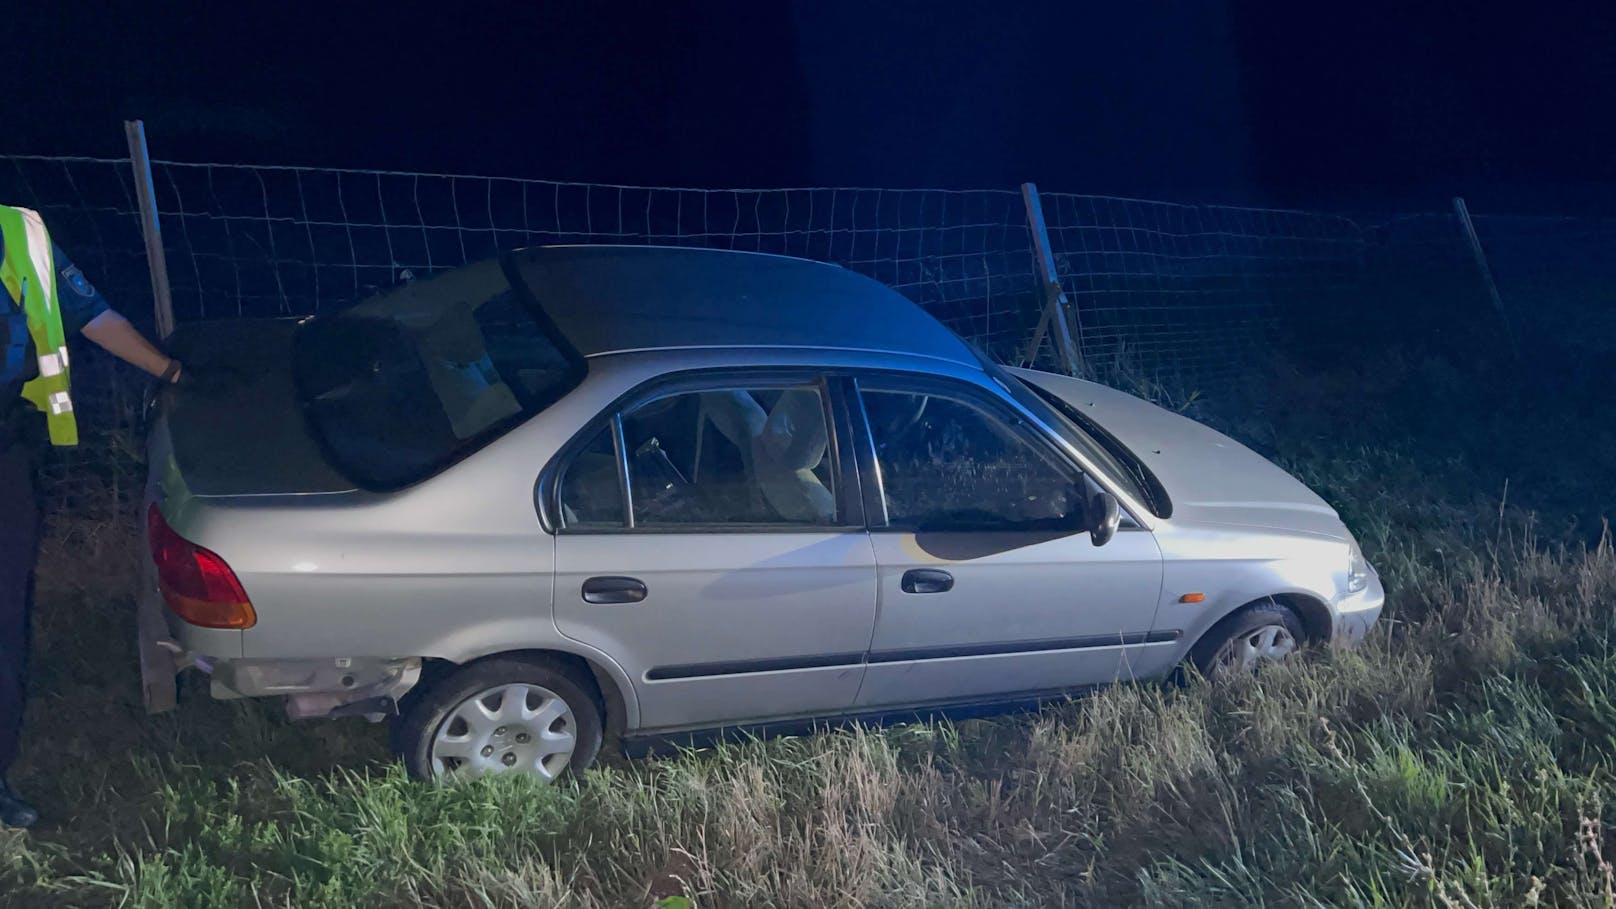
(670, 492)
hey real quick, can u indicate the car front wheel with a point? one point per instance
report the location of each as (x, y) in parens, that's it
(1261, 633)
(503, 715)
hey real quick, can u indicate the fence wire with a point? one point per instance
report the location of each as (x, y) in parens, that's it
(268, 241)
(1557, 279)
(1194, 294)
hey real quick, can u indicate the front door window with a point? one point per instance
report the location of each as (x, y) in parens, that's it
(949, 464)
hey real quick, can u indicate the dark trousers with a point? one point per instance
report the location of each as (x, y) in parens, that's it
(19, 549)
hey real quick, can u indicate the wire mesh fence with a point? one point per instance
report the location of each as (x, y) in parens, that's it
(268, 241)
(252, 242)
(1557, 278)
(1193, 292)
(1190, 293)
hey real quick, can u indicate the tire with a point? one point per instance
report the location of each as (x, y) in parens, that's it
(1242, 641)
(445, 735)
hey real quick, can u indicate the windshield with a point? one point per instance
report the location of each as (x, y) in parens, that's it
(408, 382)
(1110, 455)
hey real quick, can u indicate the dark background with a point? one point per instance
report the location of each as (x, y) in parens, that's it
(1365, 105)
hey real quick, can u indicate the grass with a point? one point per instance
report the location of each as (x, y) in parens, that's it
(1466, 756)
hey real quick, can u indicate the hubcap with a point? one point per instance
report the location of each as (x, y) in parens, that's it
(1263, 644)
(513, 728)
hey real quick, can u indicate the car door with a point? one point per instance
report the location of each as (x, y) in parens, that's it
(711, 539)
(987, 585)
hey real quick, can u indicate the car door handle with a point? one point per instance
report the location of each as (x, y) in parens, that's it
(614, 590)
(926, 580)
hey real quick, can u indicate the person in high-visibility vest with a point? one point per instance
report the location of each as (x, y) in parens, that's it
(47, 301)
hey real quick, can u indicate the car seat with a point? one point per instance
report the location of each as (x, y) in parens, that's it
(456, 354)
(779, 448)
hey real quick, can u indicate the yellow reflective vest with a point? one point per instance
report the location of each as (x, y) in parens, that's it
(29, 274)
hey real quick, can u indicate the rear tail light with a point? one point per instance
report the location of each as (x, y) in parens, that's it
(197, 585)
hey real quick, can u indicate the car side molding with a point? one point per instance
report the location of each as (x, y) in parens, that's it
(907, 655)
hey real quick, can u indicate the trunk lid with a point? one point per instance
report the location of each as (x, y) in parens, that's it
(235, 426)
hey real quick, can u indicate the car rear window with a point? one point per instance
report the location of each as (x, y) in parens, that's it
(404, 384)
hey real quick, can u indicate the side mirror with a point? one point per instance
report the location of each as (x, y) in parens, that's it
(1103, 516)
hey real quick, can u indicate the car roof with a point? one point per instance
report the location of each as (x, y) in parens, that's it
(615, 299)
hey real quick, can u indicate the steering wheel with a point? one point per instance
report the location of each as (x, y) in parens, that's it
(900, 423)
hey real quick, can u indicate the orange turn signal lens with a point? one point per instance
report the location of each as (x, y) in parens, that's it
(1192, 598)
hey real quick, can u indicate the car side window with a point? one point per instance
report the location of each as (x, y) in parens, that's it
(592, 487)
(740, 455)
(948, 463)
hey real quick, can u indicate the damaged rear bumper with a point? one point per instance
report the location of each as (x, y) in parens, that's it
(336, 686)
(314, 688)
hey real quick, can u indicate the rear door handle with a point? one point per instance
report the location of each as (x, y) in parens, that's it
(612, 589)
(926, 580)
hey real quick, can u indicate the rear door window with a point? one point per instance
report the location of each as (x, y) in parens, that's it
(592, 485)
(747, 455)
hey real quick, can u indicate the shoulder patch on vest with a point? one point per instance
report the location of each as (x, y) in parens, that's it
(76, 280)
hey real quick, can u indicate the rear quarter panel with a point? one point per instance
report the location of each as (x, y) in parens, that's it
(165, 486)
(456, 567)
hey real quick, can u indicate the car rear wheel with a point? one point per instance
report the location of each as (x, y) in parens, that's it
(504, 715)
(1261, 633)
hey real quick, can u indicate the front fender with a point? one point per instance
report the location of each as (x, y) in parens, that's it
(1232, 568)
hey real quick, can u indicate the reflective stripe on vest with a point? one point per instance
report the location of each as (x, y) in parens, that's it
(29, 275)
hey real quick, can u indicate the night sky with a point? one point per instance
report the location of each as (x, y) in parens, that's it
(1363, 105)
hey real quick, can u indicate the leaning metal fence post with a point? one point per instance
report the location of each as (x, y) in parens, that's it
(1056, 306)
(1469, 227)
(140, 163)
